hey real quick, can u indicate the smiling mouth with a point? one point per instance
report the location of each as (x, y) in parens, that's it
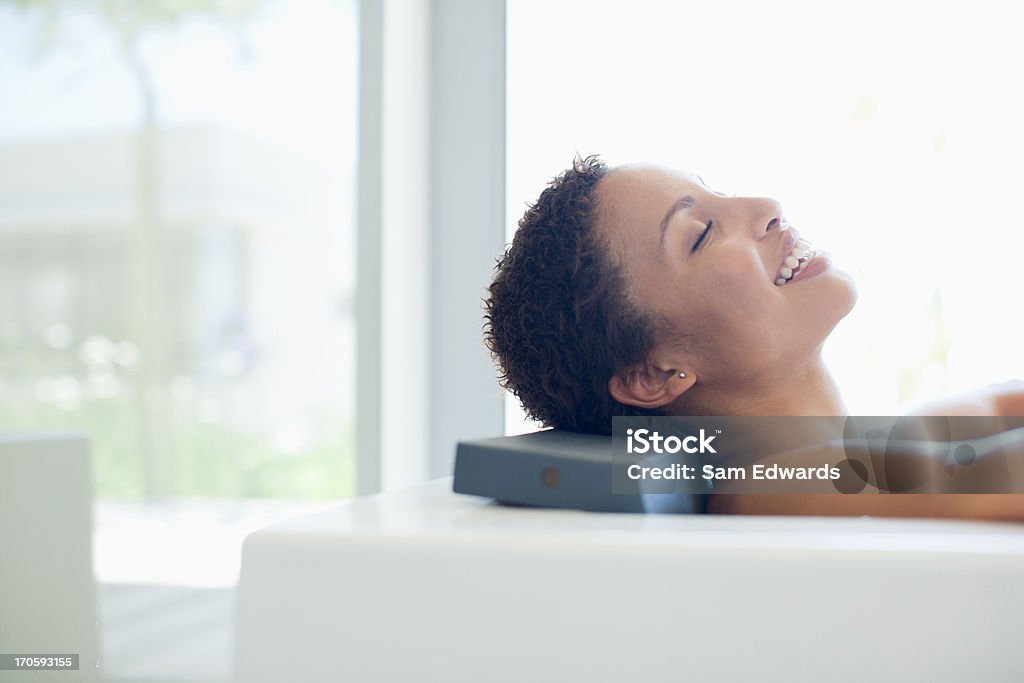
(794, 262)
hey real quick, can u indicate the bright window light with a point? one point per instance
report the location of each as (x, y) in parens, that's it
(890, 133)
(177, 269)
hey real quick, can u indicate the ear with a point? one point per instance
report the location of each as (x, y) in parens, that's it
(645, 385)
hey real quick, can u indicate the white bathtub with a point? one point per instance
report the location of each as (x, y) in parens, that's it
(427, 585)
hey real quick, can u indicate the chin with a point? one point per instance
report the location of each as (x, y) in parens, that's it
(846, 293)
(835, 298)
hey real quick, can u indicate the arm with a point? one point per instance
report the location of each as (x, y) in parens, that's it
(1005, 400)
(1003, 507)
(1009, 401)
(999, 465)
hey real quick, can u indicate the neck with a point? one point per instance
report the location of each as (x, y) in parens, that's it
(799, 390)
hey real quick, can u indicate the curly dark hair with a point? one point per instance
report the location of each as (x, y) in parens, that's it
(558, 321)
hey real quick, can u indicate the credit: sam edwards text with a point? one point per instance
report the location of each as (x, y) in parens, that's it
(711, 472)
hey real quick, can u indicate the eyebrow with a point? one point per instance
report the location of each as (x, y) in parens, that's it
(681, 204)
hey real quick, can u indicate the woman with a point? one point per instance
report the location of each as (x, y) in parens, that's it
(638, 290)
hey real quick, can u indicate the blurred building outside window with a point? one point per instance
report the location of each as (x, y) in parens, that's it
(177, 244)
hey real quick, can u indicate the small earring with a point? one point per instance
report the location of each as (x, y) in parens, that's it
(682, 375)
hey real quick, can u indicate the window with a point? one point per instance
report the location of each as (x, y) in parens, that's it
(888, 132)
(177, 242)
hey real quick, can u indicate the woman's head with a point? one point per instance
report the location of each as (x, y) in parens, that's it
(615, 284)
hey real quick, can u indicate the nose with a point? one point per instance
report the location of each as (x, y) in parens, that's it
(756, 217)
(765, 217)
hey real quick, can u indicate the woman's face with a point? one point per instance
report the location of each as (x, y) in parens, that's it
(713, 293)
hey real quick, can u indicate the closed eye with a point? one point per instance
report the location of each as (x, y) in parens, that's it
(700, 238)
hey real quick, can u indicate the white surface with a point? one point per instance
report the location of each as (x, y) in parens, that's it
(47, 594)
(425, 584)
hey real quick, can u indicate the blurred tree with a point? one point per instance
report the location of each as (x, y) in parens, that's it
(129, 23)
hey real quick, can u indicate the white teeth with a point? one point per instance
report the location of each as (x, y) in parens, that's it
(801, 254)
